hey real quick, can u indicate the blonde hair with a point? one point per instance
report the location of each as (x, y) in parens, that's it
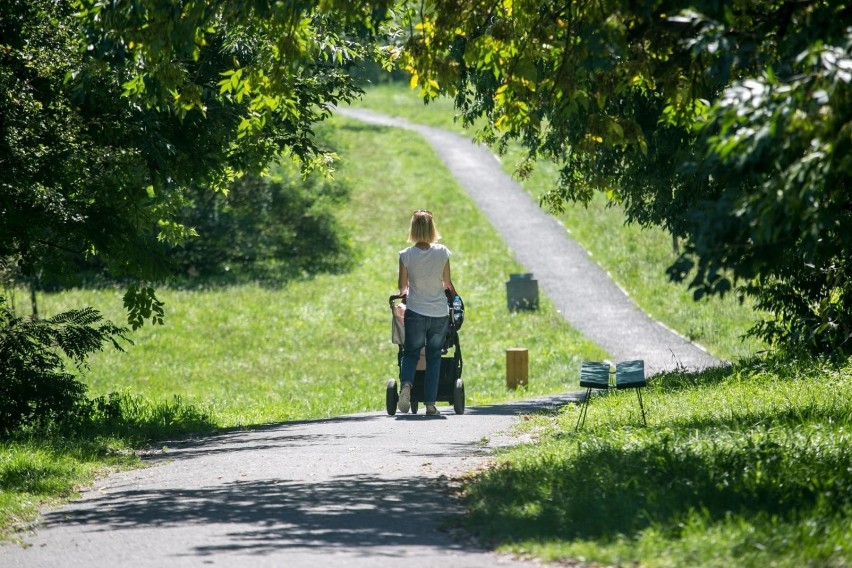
(423, 228)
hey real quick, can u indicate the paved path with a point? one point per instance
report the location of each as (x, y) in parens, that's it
(366, 490)
(357, 491)
(579, 288)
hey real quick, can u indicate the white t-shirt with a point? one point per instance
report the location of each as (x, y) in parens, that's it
(425, 279)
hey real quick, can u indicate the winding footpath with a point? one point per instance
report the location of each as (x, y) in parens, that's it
(579, 288)
(357, 491)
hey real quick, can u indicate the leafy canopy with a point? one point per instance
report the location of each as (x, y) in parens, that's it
(723, 121)
(114, 117)
(116, 114)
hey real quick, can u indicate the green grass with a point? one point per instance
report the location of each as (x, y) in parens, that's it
(252, 354)
(746, 466)
(635, 257)
(36, 471)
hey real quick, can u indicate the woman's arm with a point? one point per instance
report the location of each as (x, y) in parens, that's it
(402, 280)
(446, 278)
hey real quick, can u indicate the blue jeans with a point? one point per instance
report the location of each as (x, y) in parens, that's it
(420, 331)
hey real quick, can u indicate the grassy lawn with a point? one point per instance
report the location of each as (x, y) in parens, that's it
(321, 347)
(745, 466)
(635, 257)
(249, 354)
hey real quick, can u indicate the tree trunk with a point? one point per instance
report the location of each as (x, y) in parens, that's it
(33, 300)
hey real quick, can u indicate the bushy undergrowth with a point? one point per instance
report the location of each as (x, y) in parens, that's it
(139, 420)
(36, 388)
(273, 228)
(744, 466)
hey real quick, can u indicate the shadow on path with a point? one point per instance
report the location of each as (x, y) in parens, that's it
(528, 406)
(257, 437)
(278, 437)
(262, 517)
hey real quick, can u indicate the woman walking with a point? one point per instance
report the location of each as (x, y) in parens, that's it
(424, 274)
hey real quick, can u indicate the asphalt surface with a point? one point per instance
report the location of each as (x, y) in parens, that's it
(365, 490)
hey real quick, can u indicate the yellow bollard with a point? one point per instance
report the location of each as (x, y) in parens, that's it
(517, 367)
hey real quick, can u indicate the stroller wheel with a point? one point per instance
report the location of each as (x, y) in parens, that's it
(458, 397)
(414, 406)
(391, 397)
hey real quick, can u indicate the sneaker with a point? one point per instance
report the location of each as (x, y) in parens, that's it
(432, 411)
(404, 398)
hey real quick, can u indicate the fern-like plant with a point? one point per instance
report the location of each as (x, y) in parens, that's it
(35, 385)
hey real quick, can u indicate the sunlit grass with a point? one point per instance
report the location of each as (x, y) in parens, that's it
(38, 470)
(251, 354)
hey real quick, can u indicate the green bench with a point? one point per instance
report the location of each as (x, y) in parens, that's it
(595, 375)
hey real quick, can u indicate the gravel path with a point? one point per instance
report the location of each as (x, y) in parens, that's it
(356, 491)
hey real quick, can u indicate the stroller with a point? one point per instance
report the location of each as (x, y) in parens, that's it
(450, 384)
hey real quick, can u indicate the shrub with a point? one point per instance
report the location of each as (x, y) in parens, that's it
(277, 227)
(35, 386)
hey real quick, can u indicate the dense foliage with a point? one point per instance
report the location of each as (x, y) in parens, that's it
(106, 138)
(724, 121)
(107, 142)
(272, 228)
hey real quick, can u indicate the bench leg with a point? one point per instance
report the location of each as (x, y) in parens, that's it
(584, 408)
(641, 406)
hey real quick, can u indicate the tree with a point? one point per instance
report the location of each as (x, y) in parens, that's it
(113, 113)
(724, 121)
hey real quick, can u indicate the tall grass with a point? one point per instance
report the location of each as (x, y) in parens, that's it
(745, 466)
(635, 257)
